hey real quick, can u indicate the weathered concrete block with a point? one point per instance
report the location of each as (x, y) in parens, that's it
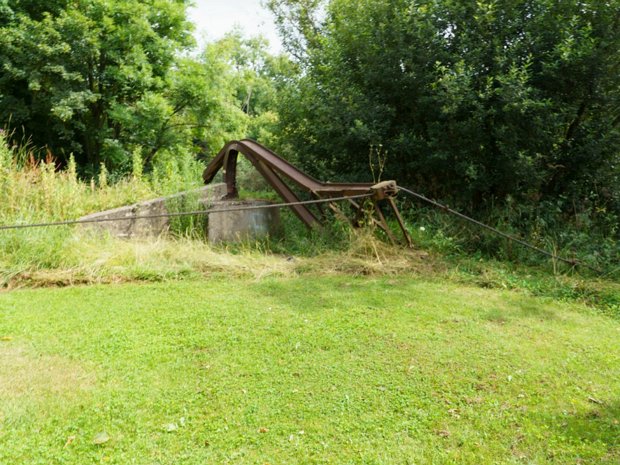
(148, 227)
(241, 225)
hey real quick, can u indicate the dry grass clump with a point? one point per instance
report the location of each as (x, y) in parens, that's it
(89, 259)
(367, 255)
(26, 374)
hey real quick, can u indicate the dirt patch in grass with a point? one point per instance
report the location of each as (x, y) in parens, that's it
(25, 374)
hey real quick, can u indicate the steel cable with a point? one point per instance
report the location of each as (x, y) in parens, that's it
(445, 208)
(497, 231)
(178, 214)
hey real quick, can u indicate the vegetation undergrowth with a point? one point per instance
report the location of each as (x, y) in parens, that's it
(56, 258)
(570, 237)
(33, 192)
(37, 190)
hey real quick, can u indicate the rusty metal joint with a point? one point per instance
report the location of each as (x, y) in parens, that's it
(384, 190)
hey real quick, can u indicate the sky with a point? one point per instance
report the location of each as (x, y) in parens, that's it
(214, 18)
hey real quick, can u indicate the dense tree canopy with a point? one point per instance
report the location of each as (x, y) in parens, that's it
(473, 100)
(103, 78)
(73, 73)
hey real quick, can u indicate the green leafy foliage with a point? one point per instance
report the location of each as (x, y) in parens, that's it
(72, 75)
(475, 101)
(104, 78)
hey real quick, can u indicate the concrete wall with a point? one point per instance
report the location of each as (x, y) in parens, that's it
(149, 227)
(241, 225)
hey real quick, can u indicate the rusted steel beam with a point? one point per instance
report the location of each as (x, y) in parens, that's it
(283, 167)
(406, 234)
(274, 168)
(230, 174)
(301, 211)
(383, 223)
(212, 168)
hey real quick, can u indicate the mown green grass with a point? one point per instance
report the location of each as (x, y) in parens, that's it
(328, 370)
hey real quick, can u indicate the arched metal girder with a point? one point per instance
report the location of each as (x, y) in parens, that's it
(275, 169)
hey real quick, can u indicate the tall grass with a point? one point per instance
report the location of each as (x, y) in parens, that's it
(34, 190)
(37, 191)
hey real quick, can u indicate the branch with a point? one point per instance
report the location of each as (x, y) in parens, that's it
(576, 122)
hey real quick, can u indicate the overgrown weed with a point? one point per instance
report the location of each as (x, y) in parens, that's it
(451, 236)
(37, 191)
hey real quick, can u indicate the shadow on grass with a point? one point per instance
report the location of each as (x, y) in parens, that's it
(601, 423)
(520, 310)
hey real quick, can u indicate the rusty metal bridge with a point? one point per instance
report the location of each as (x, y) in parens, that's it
(276, 170)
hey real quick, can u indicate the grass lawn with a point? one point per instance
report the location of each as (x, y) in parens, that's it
(305, 370)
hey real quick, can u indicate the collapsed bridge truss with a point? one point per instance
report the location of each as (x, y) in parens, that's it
(276, 170)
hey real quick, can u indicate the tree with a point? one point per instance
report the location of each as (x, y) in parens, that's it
(472, 100)
(105, 79)
(234, 85)
(75, 73)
